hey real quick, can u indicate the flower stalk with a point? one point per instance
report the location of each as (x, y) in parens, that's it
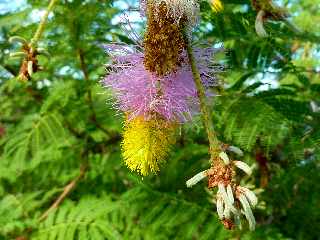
(231, 199)
(214, 145)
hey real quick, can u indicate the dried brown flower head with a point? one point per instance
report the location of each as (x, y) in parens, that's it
(163, 41)
(29, 64)
(220, 173)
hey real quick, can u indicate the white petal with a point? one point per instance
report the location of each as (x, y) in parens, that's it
(238, 221)
(197, 178)
(253, 200)
(17, 54)
(227, 212)
(220, 207)
(224, 157)
(247, 211)
(18, 39)
(236, 150)
(225, 198)
(230, 194)
(259, 24)
(30, 68)
(243, 166)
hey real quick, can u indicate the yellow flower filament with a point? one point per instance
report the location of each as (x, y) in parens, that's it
(146, 144)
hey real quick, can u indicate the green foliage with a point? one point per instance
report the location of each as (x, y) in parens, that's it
(86, 220)
(60, 127)
(257, 122)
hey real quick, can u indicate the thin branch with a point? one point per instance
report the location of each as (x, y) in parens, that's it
(67, 190)
(42, 24)
(84, 70)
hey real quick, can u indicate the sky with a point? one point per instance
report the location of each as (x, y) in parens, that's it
(8, 5)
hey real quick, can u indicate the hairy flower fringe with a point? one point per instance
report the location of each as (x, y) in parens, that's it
(141, 93)
(146, 144)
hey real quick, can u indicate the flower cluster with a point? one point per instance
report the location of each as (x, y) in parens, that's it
(232, 200)
(153, 85)
(163, 82)
(163, 41)
(154, 105)
(188, 10)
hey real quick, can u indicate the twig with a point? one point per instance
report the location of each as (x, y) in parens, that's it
(42, 24)
(84, 70)
(66, 191)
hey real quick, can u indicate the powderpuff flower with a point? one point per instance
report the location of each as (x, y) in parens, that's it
(140, 92)
(146, 144)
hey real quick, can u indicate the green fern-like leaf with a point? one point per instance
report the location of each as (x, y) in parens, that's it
(83, 221)
(35, 133)
(248, 120)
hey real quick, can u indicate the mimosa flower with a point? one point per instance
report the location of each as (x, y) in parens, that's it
(140, 92)
(146, 144)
